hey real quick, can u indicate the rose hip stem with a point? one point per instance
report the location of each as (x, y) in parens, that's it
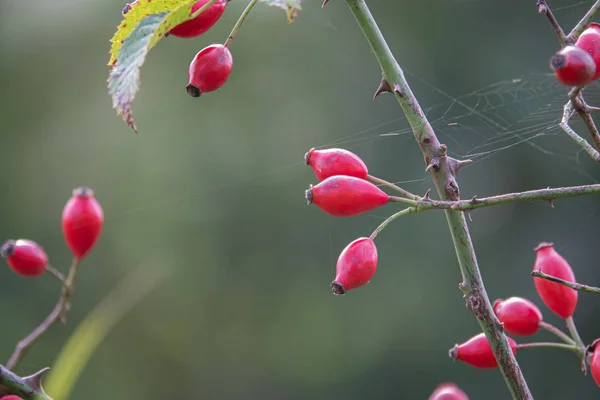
(239, 22)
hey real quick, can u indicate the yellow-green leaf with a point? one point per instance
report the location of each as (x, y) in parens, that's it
(291, 7)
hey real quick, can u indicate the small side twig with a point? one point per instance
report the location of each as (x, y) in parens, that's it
(584, 112)
(560, 34)
(58, 314)
(378, 181)
(56, 273)
(584, 22)
(564, 346)
(568, 112)
(576, 286)
(575, 334)
(551, 328)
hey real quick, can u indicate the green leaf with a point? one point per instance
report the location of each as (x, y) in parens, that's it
(144, 26)
(124, 78)
(291, 7)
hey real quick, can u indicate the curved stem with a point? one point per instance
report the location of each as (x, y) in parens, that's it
(239, 22)
(565, 346)
(380, 182)
(576, 286)
(58, 314)
(557, 332)
(575, 334)
(56, 273)
(391, 219)
(585, 21)
(443, 174)
(201, 9)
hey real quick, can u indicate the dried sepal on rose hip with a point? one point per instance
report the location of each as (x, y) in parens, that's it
(25, 257)
(589, 41)
(346, 196)
(209, 70)
(520, 316)
(478, 353)
(203, 22)
(448, 391)
(82, 220)
(573, 66)
(560, 299)
(329, 162)
(355, 266)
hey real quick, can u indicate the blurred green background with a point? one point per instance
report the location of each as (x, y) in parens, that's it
(212, 189)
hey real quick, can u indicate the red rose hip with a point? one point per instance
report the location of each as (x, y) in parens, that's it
(330, 162)
(519, 316)
(203, 22)
(595, 360)
(560, 299)
(11, 397)
(25, 257)
(355, 266)
(346, 196)
(573, 66)
(209, 70)
(478, 352)
(448, 391)
(589, 41)
(82, 221)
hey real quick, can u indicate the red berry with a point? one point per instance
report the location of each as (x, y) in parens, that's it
(209, 70)
(203, 22)
(595, 360)
(519, 316)
(330, 162)
(478, 352)
(11, 397)
(561, 299)
(82, 220)
(589, 41)
(573, 66)
(345, 196)
(355, 266)
(25, 257)
(448, 391)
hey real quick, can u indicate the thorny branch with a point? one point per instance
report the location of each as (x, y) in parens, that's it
(576, 101)
(59, 313)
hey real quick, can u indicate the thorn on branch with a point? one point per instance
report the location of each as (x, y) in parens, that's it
(455, 165)
(384, 86)
(468, 212)
(551, 203)
(426, 197)
(434, 165)
(324, 3)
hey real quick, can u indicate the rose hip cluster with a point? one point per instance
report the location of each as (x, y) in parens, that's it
(579, 64)
(344, 192)
(520, 317)
(211, 67)
(82, 220)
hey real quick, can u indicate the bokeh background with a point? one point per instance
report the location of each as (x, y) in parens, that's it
(212, 190)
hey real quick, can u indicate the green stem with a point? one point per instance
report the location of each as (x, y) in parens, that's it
(531, 195)
(239, 22)
(56, 273)
(58, 314)
(572, 285)
(201, 9)
(380, 182)
(575, 334)
(557, 332)
(585, 21)
(388, 221)
(565, 346)
(443, 169)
